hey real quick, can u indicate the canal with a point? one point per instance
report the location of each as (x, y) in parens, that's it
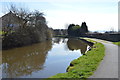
(41, 60)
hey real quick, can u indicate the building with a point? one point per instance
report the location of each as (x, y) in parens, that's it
(10, 22)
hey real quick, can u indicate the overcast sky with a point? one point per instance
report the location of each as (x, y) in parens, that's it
(98, 14)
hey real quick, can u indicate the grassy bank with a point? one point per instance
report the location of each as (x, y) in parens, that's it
(85, 65)
(117, 43)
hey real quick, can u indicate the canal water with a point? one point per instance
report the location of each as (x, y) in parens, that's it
(41, 60)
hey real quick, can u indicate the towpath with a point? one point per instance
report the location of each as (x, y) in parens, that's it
(108, 67)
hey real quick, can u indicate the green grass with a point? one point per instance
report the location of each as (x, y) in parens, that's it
(117, 43)
(1, 32)
(85, 65)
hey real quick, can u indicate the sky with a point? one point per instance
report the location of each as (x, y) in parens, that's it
(99, 15)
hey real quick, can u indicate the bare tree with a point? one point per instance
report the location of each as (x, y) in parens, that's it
(22, 13)
(13, 8)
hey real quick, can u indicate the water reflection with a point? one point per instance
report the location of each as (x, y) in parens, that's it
(59, 40)
(74, 44)
(40, 60)
(25, 60)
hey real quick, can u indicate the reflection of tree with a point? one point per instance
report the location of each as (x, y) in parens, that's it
(25, 60)
(74, 44)
(58, 40)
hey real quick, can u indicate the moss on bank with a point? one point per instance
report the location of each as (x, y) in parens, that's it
(85, 65)
(117, 43)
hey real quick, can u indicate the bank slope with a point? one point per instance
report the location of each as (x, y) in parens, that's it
(117, 43)
(85, 65)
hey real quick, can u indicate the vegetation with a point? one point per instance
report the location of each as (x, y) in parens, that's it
(76, 27)
(85, 65)
(1, 33)
(76, 30)
(117, 43)
(58, 32)
(32, 28)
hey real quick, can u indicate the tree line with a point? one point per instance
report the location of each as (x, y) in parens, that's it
(77, 30)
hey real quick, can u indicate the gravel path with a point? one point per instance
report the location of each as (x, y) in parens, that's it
(108, 67)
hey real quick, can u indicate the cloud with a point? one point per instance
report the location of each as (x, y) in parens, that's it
(95, 21)
(98, 14)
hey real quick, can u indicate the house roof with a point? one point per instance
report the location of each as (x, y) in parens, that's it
(11, 14)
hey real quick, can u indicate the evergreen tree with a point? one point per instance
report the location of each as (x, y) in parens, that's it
(84, 27)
